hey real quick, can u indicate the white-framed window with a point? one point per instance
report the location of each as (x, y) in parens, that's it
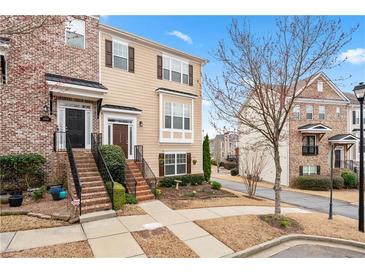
(120, 55)
(175, 70)
(338, 112)
(177, 116)
(75, 33)
(309, 112)
(320, 86)
(322, 112)
(175, 164)
(296, 112)
(309, 170)
(2, 69)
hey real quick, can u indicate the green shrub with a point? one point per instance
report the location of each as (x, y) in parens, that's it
(23, 170)
(119, 195)
(207, 167)
(216, 185)
(318, 182)
(131, 199)
(115, 161)
(350, 179)
(193, 179)
(234, 172)
(157, 192)
(285, 222)
(38, 193)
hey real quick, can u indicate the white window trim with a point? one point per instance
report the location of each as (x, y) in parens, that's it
(62, 106)
(172, 130)
(296, 107)
(113, 54)
(186, 163)
(320, 86)
(170, 57)
(319, 112)
(84, 34)
(309, 170)
(306, 112)
(338, 112)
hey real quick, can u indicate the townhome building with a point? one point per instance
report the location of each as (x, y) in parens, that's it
(224, 146)
(71, 86)
(318, 125)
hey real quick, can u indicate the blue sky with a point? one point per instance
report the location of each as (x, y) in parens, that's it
(199, 35)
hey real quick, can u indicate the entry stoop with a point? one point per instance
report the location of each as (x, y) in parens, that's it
(98, 215)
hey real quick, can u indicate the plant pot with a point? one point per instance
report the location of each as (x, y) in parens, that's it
(56, 189)
(56, 195)
(16, 192)
(63, 194)
(15, 200)
(4, 198)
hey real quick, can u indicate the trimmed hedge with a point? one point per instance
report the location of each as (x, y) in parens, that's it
(115, 161)
(350, 178)
(23, 170)
(192, 179)
(318, 182)
(119, 196)
(216, 185)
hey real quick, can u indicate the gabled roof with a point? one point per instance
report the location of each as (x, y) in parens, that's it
(121, 107)
(343, 139)
(318, 127)
(73, 81)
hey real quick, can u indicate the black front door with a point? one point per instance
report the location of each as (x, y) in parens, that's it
(75, 126)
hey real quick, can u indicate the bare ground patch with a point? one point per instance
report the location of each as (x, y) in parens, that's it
(129, 210)
(161, 243)
(24, 222)
(70, 250)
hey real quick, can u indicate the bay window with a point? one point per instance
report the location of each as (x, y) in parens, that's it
(167, 115)
(187, 117)
(175, 70)
(175, 163)
(177, 116)
(120, 55)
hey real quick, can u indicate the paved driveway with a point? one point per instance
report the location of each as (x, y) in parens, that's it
(308, 201)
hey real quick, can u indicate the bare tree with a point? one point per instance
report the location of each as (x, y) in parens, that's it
(262, 75)
(251, 167)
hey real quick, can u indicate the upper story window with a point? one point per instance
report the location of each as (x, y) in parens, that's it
(177, 116)
(2, 69)
(75, 33)
(322, 112)
(356, 117)
(320, 86)
(120, 55)
(338, 112)
(175, 70)
(296, 112)
(309, 112)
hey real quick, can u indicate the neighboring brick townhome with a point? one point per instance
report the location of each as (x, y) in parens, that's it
(319, 120)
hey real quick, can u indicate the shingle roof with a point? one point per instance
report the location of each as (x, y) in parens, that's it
(351, 97)
(121, 107)
(177, 91)
(344, 137)
(309, 126)
(73, 81)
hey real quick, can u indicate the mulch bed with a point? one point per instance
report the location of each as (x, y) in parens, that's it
(23, 222)
(71, 250)
(129, 210)
(161, 243)
(284, 223)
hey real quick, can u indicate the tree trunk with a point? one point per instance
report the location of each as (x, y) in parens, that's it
(277, 187)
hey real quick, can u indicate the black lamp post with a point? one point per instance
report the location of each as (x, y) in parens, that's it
(359, 91)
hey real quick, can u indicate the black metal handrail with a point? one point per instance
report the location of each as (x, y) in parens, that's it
(102, 167)
(309, 150)
(147, 172)
(61, 142)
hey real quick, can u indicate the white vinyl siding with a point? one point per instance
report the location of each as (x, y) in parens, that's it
(75, 33)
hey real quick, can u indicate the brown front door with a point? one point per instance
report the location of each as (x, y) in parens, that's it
(120, 137)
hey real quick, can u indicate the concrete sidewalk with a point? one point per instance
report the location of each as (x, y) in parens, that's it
(112, 237)
(303, 200)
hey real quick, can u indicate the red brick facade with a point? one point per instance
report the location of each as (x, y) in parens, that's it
(26, 93)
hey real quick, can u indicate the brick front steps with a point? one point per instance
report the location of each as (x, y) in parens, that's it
(143, 192)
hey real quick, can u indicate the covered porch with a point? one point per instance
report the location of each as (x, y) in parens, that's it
(312, 134)
(340, 146)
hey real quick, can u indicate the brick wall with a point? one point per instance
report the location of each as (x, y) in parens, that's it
(23, 97)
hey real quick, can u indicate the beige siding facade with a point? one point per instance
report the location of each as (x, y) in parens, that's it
(139, 90)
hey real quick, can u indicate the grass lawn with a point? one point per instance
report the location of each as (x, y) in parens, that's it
(241, 232)
(161, 243)
(24, 222)
(129, 210)
(70, 250)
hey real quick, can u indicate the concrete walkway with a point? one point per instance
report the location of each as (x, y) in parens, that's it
(303, 200)
(112, 237)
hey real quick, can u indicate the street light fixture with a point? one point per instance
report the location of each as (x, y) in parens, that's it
(359, 91)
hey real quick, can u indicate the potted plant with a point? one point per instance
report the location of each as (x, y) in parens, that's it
(55, 192)
(4, 197)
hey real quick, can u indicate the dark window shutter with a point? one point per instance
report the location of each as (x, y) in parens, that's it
(161, 159)
(190, 75)
(131, 59)
(188, 163)
(159, 67)
(300, 170)
(318, 170)
(108, 53)
(354, 117)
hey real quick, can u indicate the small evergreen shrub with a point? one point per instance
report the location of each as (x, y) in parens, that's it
(207, 165)
(216, 185)
(119, 195)
(131, 199)
(350, 179)
(115, 161)
(38, 193)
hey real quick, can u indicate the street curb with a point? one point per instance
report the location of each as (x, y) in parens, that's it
(263, 246)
